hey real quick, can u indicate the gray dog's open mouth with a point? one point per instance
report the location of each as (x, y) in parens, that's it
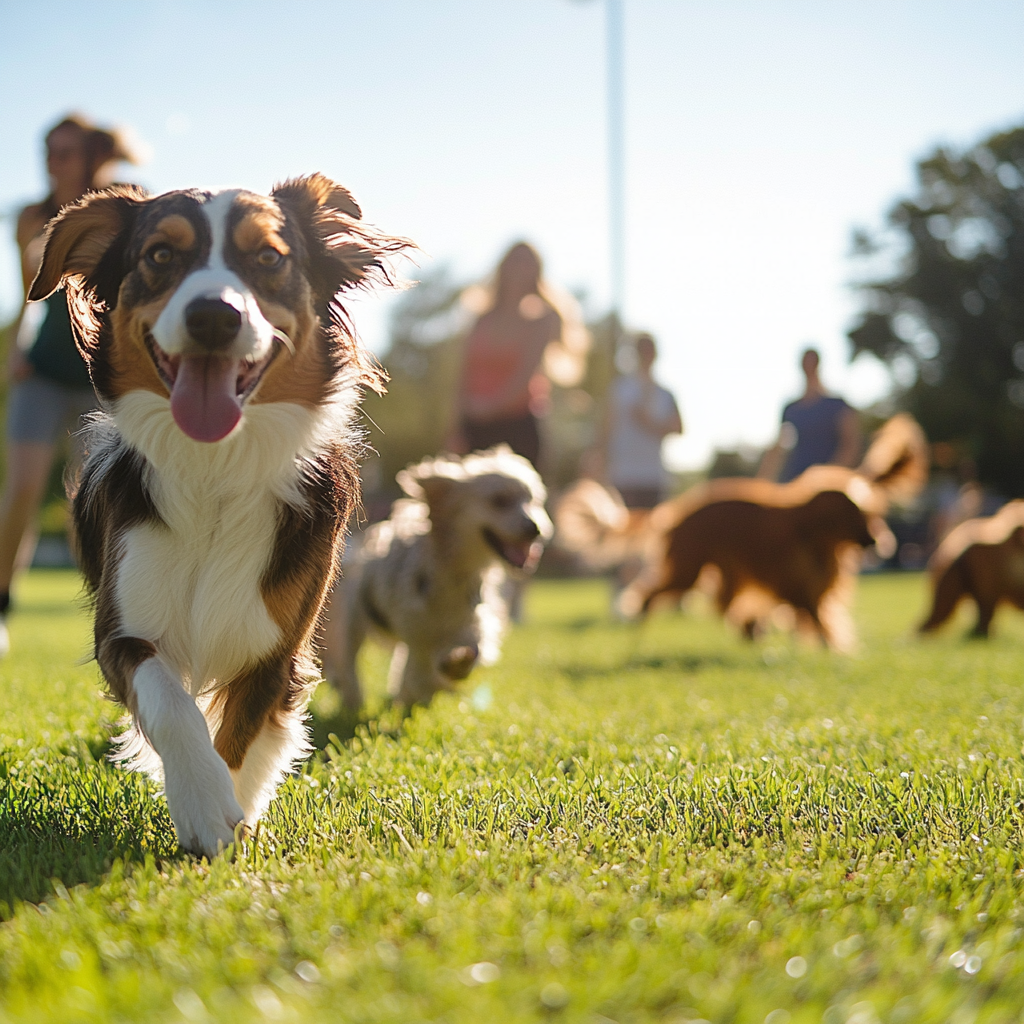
(518, 553)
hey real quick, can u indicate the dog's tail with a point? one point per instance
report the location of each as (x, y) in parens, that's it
(592, 523)
(897, 459)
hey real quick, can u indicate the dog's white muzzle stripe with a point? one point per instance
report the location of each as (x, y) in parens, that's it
(255, 336)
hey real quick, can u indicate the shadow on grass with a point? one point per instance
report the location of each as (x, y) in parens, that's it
(69, 821)
(340, 726)
(584, 623)
(88, 749)
(686, 664)
(337, 725)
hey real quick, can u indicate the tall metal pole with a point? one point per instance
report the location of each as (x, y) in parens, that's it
(616, 161)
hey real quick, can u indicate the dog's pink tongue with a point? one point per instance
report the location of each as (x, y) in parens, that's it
(203, 401)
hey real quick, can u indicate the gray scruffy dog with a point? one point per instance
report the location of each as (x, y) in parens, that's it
(430, 578)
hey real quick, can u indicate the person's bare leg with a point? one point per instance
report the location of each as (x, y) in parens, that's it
(28, 469)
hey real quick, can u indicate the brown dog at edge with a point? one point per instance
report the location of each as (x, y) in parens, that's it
(983, 559)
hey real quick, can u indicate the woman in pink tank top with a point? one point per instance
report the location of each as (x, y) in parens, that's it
(502, 386)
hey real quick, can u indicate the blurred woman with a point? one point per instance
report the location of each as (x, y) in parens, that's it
(524, 338)
(49, 386)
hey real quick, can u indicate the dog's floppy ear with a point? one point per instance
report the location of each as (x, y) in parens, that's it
(343, 252)
(437, 490)
(885, 541)
(85, 247)
(431, 481)
(434, 490)
(87, 240)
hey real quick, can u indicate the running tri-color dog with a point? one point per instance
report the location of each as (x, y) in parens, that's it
(429, 578)
(218, 481)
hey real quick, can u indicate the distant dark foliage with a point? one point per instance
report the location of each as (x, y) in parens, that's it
(950, 319)
(423, 361)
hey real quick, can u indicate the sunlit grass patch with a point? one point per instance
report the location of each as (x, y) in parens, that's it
(617, 823)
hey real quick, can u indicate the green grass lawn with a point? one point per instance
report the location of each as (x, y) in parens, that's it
(617, 823)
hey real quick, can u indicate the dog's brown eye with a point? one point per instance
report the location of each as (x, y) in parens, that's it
(269, 257)
(160, 255)
(502, 501)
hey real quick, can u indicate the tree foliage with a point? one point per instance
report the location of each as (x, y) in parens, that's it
(950, 318)
(423, 360)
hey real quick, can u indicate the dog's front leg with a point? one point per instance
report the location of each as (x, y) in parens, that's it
(344, 630)
(413, 677)
(261, 731)
(197, 783)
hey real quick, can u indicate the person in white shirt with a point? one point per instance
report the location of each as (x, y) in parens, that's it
(641, 414)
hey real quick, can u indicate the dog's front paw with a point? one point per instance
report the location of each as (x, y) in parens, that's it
(201, 799)
(459, 661)
(628, 606)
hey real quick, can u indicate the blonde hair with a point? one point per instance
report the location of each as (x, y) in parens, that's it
(565, 359)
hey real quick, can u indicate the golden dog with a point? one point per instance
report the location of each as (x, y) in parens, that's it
(793, 544)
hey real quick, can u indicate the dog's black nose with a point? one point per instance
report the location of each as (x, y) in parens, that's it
(212, 323)
(530, 529)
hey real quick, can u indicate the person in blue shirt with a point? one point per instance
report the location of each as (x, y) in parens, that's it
(817, 429)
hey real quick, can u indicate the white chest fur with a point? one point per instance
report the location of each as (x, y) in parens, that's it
(195, 593)
(191, 583)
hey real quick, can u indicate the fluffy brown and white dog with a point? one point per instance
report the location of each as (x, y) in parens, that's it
(983, 559)
(218, 480)
(771, 544)
(429, 579)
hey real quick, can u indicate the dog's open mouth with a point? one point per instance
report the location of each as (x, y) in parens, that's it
(522, 554)
(208, 391)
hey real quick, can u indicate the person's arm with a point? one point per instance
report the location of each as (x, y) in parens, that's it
(772, 462)
(597, 458)
(676, 426)
(659, 426)
(849, 447)
(673, 421)
(31, 222)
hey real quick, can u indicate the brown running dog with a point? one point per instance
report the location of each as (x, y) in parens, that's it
(983, 559)
(794, 544)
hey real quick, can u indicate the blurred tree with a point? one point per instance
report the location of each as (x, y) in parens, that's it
(949, 319)
(423, 360)
(736, 462)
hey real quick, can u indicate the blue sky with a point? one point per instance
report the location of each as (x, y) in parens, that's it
(758, 134)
